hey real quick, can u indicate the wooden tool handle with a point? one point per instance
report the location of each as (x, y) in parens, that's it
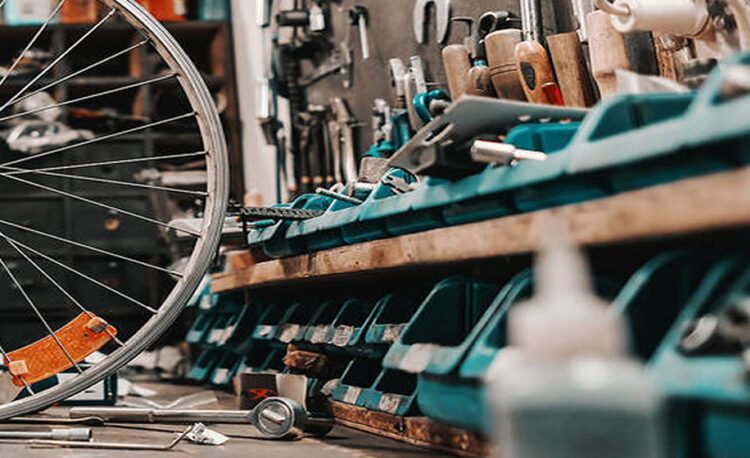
(534, 70)
(608, 51)
(500, 47)
(572, 72)
(481, 83)
(457, 64)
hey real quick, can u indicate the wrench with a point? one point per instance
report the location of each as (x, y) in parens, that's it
(443, 12)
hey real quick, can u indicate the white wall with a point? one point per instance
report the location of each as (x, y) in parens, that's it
(251, 43)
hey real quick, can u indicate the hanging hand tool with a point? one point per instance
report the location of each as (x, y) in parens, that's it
(317, 17)
(443, 13)
(335, 63)
(262, 13)
(477, 79)
(334, 136)
(359, 17)
(532, 62)
(303, 163)
(572, 70)
(569, 60)
(316, 146)
(500, 48)
(414, 84)
(347, 69)
(276, 418)
(608, 52)
(313, 18)
(327, 149)
(581, 9)
(345, 123)
(399, 76)
(382, 130)
(293, 18)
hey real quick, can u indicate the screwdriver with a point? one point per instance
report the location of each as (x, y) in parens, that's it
(569, 60)
(532, 61)
(457, 62)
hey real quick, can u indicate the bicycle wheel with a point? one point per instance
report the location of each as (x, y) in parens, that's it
(71, 172)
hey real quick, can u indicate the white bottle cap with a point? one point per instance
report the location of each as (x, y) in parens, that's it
(685, 18)
(564, 318)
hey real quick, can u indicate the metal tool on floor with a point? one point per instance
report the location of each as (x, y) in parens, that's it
(276, 418)
(110, 445)
(67, 434)
(443, 13)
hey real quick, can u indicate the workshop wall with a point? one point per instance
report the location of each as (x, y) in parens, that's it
(391, 34)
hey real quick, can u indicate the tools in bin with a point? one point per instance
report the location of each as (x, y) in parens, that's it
(500, 56)
(532, 61)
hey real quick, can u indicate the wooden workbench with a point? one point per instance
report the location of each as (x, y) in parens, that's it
(688, 206)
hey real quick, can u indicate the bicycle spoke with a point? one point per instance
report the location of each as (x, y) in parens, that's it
(38, 313)
(56, 284)
(88, 97)
(114, 182)
(59, 58)
(89, 247)
(109, 163)
(83, 275)
(81, 72)
(102, 205)
(86, 173)
(31, 43)
(98, 139)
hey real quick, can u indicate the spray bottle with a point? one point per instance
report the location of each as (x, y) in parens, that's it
(565, 387)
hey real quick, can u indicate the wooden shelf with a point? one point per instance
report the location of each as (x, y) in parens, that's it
(419, 431)
(692, 205)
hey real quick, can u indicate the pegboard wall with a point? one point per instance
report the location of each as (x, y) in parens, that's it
(391, 34)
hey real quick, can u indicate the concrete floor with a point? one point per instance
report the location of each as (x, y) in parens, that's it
(342, 442)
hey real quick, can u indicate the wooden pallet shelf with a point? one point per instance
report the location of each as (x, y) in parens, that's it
(418, 431)
(688, 206)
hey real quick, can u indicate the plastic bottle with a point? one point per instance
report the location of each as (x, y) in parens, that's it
(566, 387)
